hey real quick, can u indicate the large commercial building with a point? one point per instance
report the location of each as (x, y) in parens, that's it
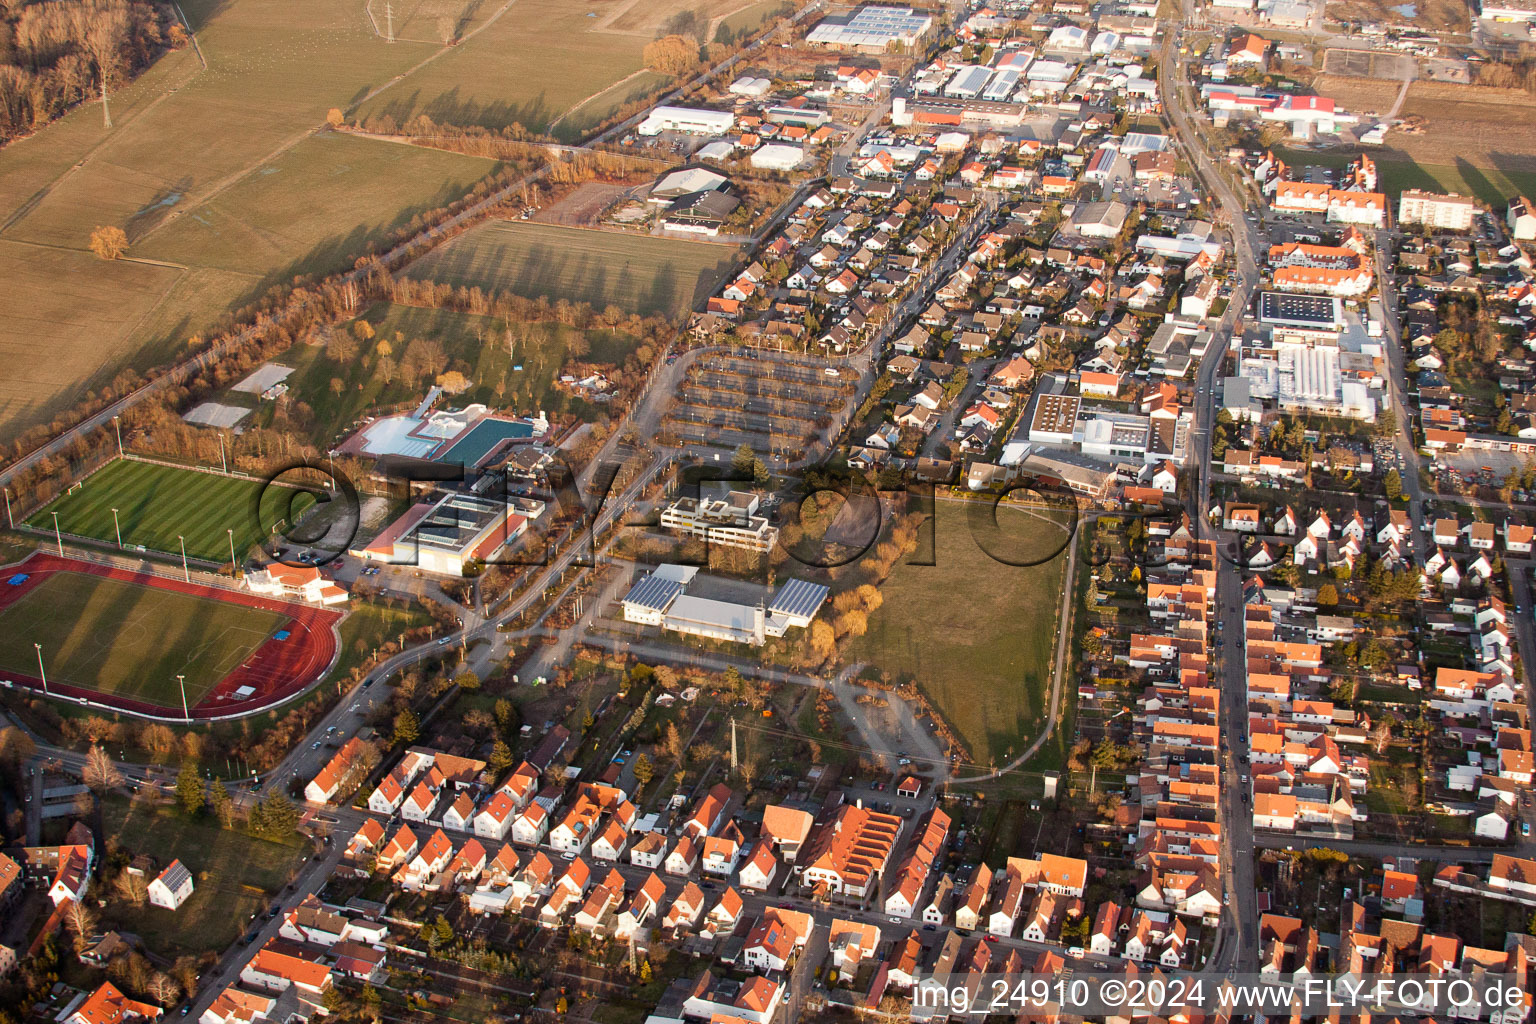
(1509, 10)
(689, 120)
(659, 599)
(872, 29)
(731, 521)
(1433, 210)
(1300, 377)
(456, 530)
(1301, 317)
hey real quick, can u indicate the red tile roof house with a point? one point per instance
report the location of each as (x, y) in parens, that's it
(347, 768)
(107, 1005)
(775, 938)
(281, 965)
(237, 1006)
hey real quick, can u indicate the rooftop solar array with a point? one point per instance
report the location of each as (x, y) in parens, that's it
(1283, 307)
(799, 598)
(654, 592)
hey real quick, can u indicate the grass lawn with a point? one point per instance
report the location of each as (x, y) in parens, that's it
(122, 638)
(982, 652)
(540, 350)
(638, 273)
(235, 874)
(368, 626)
(157, 503)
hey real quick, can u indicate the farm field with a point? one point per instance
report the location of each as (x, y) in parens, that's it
(236, 875)
(156, 503)
(75, 307)
(486, 80)
(983, 658)
(190, 143)
(131, 641)
(478, 341)
(637, 273)
(268, 225)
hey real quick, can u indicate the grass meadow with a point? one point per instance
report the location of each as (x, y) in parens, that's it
(638, 273)
(120, 638)
(982, 655)
(157, 503)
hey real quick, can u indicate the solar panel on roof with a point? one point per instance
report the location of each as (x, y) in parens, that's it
(798, 598)
(653, 592)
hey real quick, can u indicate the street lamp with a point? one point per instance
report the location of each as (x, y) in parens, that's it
(182, 680)
(9, 518)
(185, 575)
(119, 427)
(118, 528)
(231, 552)
(57, 539)
(40, 667)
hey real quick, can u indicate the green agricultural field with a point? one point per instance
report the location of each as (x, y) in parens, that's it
(132, 641)
(478, 342)
(637, 273)
(236, 875)
(983, 656)
(157, 503)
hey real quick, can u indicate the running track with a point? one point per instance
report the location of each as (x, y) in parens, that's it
(277, 671)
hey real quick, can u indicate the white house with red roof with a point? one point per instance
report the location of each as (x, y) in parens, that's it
(294, 582)
(494, 819)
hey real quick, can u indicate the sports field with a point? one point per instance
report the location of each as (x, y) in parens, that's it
(637, 273)
(982, 656)
(156, 503)
(130, 641)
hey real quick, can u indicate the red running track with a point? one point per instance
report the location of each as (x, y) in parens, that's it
(275, 672)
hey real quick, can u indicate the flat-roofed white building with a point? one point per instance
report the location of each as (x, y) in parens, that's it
(658, 599)
(872, 28)
(454, 531)
(730, 521)
(690, 120)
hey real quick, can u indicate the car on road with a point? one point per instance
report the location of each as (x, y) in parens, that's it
(315, 745)
(1525, 829)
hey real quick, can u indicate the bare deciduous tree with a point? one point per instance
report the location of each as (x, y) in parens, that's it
(100, 774)
(102, 28)
(132, 887)
(81, 923)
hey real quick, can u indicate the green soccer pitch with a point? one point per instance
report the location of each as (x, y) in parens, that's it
(129, 640)
(157, 503)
